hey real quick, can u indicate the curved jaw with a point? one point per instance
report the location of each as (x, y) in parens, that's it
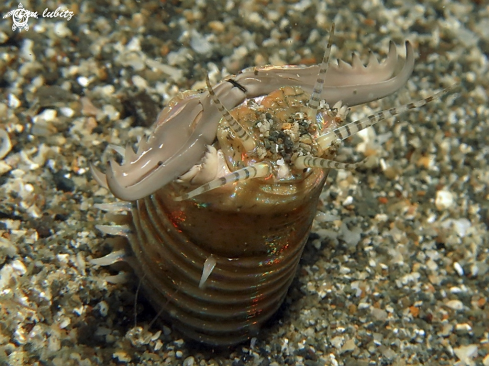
(189, 123)
(352, 84)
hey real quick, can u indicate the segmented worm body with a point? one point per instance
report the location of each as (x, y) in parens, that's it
(224, 191)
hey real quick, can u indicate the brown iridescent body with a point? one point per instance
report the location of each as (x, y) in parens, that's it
(255, 230)
(224, 191)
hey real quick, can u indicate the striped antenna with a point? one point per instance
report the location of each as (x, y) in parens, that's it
(259, 170)
(318, 87)
(309, 161)
(246, 139)
(352, 128)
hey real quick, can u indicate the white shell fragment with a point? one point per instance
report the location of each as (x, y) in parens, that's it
(459, 225)
(466, 353)
(458, 268)
(455, 304)
(443, 200)
(5, 144)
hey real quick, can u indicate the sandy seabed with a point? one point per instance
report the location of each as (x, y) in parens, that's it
(396, 270)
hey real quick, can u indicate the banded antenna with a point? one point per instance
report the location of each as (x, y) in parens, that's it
(245, 138)
(323, 68)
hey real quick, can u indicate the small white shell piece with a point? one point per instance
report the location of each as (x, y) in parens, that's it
(5, 144)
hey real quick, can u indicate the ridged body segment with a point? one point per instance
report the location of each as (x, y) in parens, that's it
(256, 234)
